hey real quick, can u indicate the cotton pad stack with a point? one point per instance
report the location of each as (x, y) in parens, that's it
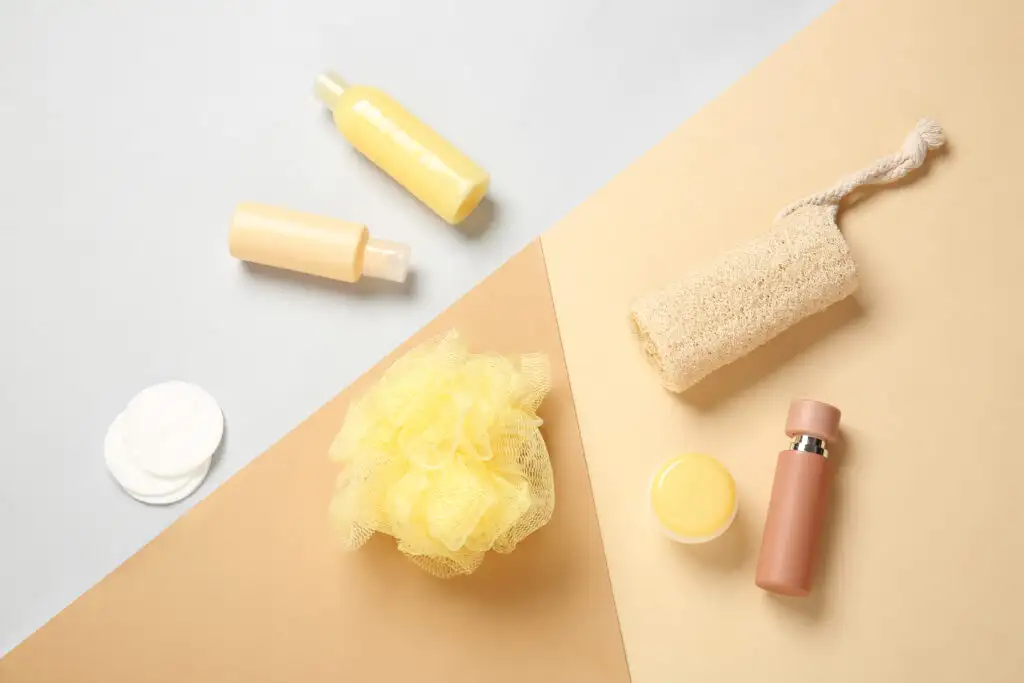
(160, 448)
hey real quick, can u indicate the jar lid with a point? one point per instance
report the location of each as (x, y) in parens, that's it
(693, 497)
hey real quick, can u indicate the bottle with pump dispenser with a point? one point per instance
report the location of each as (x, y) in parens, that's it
(408, 150)
(799, 496)
(315, 245)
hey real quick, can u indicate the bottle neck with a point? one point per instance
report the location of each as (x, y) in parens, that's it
(805, 443)
(329, 89)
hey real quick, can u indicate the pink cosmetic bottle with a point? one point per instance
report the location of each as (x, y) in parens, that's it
(789, 546)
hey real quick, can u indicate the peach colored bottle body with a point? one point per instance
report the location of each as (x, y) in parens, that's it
(315, 245)
(789, 547)
(790, 544)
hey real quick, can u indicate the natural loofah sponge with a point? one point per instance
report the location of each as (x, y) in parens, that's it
(749, 295)
(755, 291)
(445, 454)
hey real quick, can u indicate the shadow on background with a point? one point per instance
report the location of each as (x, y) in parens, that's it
(744, 373)
(483, 218)
(728, 553)
(364, 287)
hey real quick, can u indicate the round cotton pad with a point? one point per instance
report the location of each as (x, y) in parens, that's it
(171, 428)
(185, 491)
(129, 475)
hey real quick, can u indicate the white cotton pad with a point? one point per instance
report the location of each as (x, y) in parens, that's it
(132, 478)
(171, 429)
(185, 491)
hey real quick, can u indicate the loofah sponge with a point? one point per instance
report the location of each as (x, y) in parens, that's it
(749, 295)
(757, 290)
(445, 454)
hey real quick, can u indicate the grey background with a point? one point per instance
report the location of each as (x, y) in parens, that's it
(128, 132)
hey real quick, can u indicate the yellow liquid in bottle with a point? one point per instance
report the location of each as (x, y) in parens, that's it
(423, 162)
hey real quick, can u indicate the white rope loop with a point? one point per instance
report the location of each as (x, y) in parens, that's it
(926, 135)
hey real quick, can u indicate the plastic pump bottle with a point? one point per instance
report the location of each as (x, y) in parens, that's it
(315, 245)
(799, 497)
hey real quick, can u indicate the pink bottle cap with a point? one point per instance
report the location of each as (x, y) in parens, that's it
(813, 418)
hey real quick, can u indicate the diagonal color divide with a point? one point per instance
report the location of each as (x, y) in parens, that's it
(923, 559)
(250, 585)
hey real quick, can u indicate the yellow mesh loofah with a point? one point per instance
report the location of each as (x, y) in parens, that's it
(445, 454)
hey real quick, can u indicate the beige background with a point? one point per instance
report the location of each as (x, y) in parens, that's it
(923, 575)
(250, 584)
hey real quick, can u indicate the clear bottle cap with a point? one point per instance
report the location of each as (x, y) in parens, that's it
(386, 260)
(329, 88)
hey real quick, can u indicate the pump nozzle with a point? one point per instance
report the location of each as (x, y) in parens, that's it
(386, 260)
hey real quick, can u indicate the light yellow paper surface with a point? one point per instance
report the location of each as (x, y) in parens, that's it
(923, 574)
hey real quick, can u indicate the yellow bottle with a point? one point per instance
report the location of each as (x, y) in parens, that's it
(422, 161)
(315, 245)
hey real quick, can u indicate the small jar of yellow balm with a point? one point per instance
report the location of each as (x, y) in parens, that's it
(693, 498)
